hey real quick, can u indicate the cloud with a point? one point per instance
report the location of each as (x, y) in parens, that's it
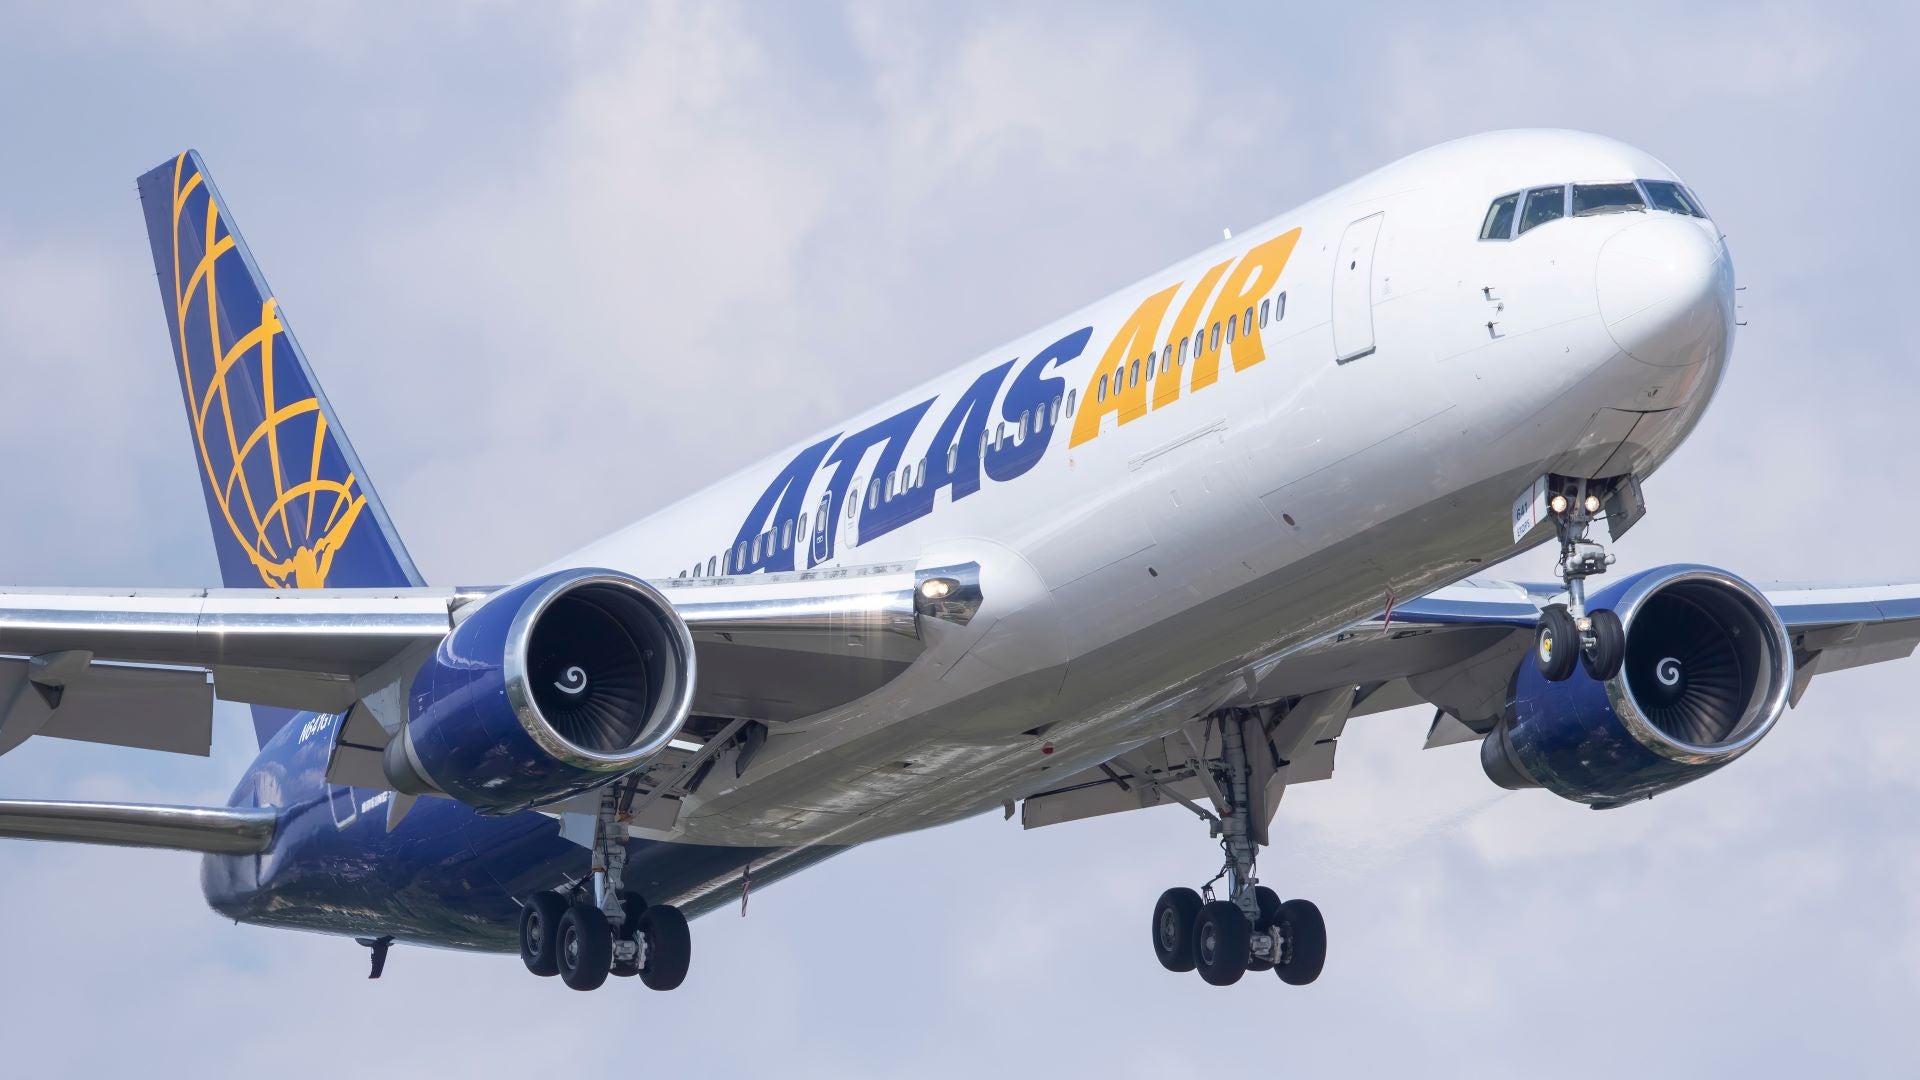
(560, 268)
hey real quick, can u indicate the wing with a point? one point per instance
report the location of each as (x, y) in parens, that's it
(1456, 650)
(141, 668)
(213, 830)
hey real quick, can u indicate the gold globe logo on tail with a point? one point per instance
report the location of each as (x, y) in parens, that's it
(288, 553)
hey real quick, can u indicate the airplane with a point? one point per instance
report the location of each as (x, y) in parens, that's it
(1158, 552)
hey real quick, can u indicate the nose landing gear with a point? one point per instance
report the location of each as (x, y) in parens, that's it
(1568, 634)
(1249, 928)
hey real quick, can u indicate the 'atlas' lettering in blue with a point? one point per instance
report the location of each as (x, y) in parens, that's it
(959, 450)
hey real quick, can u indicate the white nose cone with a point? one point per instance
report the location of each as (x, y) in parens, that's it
(1666, 291)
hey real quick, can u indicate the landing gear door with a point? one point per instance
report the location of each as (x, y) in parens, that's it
(1353, 289)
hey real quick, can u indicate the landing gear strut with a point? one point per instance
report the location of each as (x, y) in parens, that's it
(597, 930)
(1245, 927)
(1568, 634)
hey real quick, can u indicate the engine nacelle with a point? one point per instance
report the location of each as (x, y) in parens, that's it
(1707, 673)
(547, 689)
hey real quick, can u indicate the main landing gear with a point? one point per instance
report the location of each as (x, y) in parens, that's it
(594, 930)
(1247, 927)
(1568, 634)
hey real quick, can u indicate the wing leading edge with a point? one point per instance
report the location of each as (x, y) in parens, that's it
(210, 830)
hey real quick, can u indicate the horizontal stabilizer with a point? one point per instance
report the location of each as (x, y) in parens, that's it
(211, 830)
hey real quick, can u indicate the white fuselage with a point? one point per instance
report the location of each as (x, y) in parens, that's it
(1149, 556)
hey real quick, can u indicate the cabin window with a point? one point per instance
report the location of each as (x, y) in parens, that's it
(1671, 197)
(1103, 388)
(873, 494)
(1152, 358)
(1263, 313)
(1279, 306)
(1246, 320)
(712, 565)
(1592, 199)
(1182, 354)
(1133, 376)
(1214, 345)
(786, 534)
(1055, 418)
(740, 557)
(1543, 205)
(953, 459)
(853, 504)
(999, 436)
(1024, 428)
(920, 475)
(1499, 222)
(1071, 394)
(801, 531)
(1231, 323)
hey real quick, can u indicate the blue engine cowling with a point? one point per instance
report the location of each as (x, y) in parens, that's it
(1707, 673)
(546, 689)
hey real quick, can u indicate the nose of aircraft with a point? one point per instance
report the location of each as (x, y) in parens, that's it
(1666, 290)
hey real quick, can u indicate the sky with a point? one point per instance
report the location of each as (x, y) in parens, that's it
(560, 264)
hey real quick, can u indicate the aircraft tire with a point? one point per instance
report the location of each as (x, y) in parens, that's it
(1556, 643)
(1609, 647)
(540, 933)
(669, 947)
(586, 947)
(1306, 943)
(1222, 942)
(1173, 919)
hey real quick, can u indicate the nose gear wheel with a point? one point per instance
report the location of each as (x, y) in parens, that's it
(1568, 635)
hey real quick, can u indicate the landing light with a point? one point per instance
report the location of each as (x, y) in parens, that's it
(1593, 504)
(938, 588)
(1559, 504)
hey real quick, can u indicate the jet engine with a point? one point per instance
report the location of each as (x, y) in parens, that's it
(548, 688)
(1707, 673)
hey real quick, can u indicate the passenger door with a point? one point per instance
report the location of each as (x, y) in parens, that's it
(1353, 289)
(822, 548)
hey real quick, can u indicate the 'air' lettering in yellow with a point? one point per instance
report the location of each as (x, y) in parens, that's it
(1166, 385)
(1128, 397)
(1256, 275)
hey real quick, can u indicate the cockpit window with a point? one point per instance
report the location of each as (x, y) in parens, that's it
(1671, 197)
(1537, 206)
(1544, 204)
(1591, 199)
(1499, 223)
